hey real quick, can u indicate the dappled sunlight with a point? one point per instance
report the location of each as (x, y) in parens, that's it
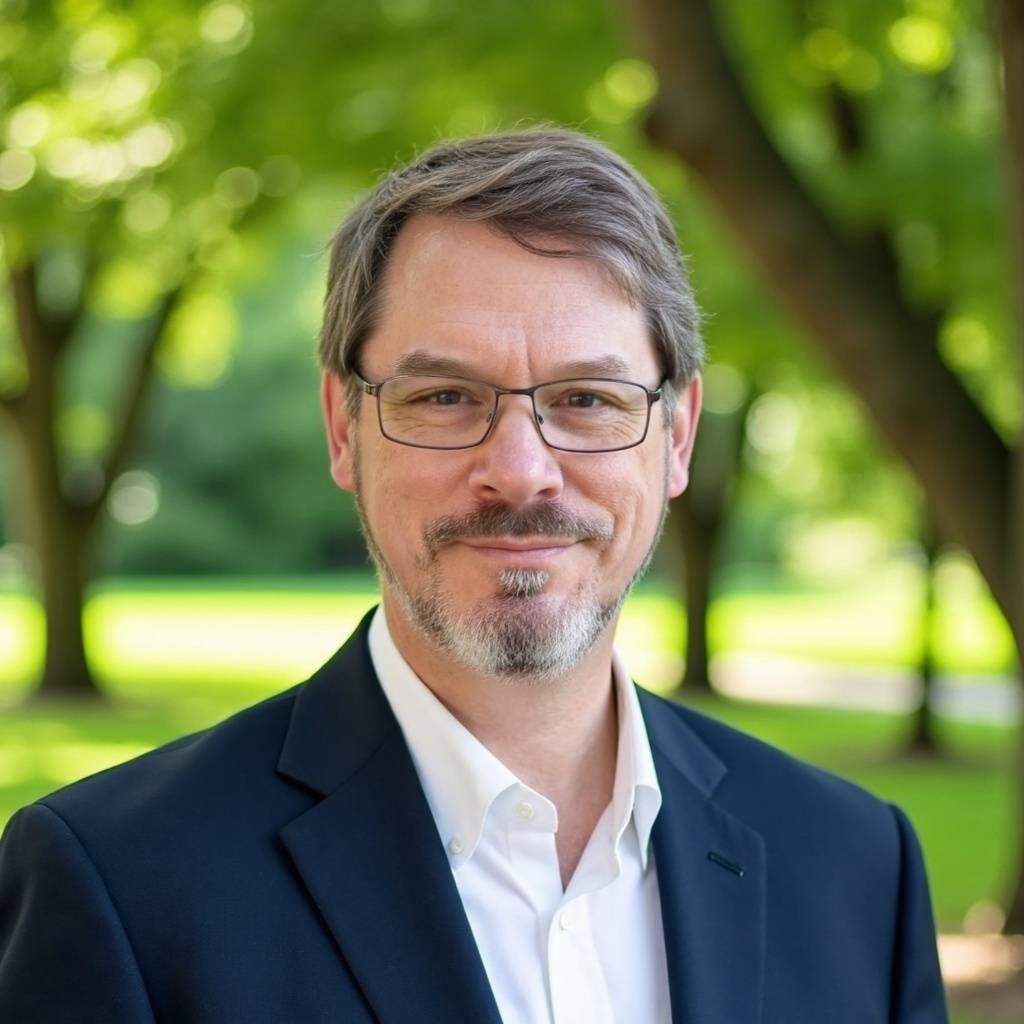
(273, 637)
(785, 680)
(58, 763)
(21, 637)
(648, 638)
(980, 959)
(245, 636)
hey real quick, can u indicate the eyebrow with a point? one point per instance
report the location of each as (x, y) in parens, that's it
(422, 361)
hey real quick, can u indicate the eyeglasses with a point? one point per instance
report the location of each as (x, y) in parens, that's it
(590, 414)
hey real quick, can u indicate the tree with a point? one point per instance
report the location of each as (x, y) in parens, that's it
(699, 513)
(840, 276)
(146, 145)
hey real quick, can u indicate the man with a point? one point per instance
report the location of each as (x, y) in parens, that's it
(470, 813)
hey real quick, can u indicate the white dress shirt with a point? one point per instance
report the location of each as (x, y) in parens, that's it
(591, 954)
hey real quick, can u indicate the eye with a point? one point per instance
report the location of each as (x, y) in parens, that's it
(448, 396)
(440, 396)
(583, 400)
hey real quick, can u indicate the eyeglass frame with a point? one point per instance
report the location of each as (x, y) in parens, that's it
(653, 395)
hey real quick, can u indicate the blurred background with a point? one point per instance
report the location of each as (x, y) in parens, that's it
(845, 576)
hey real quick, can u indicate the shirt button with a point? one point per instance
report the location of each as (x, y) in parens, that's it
(564, 921)
(524, 810)
(455, 845)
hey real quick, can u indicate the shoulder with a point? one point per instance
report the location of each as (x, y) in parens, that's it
(770, 789)
(205, 776)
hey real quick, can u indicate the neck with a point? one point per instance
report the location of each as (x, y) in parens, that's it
(559, 736)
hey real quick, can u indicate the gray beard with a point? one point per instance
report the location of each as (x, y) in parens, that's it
(521, 634)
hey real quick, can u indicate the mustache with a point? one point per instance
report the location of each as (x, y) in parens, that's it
(495, 520)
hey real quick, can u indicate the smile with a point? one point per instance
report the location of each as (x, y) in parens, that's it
(520, 548)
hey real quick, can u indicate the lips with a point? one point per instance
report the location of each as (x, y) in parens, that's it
(520, 543)
(520, 549)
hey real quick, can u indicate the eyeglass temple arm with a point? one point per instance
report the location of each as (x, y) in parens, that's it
(365, 386)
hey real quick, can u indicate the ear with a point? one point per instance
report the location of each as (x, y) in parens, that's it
(684, 431)
(340, 428)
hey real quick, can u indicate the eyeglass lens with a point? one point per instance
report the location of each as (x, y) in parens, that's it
(450, 412)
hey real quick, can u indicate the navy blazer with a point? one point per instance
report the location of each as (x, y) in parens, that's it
(284, 866)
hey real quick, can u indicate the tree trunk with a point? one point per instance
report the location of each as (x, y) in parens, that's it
(1010, 31)
(847, 296)
(922, 740)
(698, 536)
(842, 290)
(57, 528)
(699, 514)
(64, 572)
(62, 518)
(60, 534)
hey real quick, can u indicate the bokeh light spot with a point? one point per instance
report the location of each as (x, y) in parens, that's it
(226, 24)
(631, 83)
(84, 429)
(16, 169)
(93, 50)
(921, 43)
(27, 125)
(200, 340)
(149, 145)
(134, 498)
(965, 343)
(827, 49)
(773, 424)
(146, 212)
(237, 187)
(861, 73)
(725, 388)
(131, 85)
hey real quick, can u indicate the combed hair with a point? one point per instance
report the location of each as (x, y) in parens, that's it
(557, 193)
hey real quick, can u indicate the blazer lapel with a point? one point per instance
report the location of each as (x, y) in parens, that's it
(370, 856)
(711, 876)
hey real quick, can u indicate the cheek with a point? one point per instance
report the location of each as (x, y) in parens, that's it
(630, 489)
(402, 494)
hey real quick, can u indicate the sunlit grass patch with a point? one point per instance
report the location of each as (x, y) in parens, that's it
(140, 631)
(196, 635)
(21, 637)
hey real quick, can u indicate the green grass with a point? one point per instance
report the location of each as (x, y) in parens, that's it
(178, 657)
(248, 629)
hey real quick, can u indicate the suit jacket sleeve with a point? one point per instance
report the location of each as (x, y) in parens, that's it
(918, 995)
(64, 953)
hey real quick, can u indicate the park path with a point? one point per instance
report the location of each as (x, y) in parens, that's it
(993, 700)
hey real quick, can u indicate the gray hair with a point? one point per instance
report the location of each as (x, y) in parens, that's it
(556, 193)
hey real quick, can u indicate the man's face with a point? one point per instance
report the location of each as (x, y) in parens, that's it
(511, 556)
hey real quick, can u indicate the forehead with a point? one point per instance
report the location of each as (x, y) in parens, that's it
(460, 290)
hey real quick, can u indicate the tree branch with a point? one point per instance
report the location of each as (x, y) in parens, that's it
(11, 404)
(134, 399)
(849, 302)
(33, 331)
(64, 326)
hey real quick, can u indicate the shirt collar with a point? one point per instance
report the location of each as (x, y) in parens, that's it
(462, 779)
(636, 795)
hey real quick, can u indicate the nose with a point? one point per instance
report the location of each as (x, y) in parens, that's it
(514, 465)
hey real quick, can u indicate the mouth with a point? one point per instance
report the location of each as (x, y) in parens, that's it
(520, 548)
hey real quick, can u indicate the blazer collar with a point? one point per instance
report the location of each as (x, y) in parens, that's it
(369, 853)
(711, 878)
(370, 856)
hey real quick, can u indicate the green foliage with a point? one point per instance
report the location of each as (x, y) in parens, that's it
(150, 137)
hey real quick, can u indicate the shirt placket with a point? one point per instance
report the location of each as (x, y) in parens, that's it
(578, 991)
